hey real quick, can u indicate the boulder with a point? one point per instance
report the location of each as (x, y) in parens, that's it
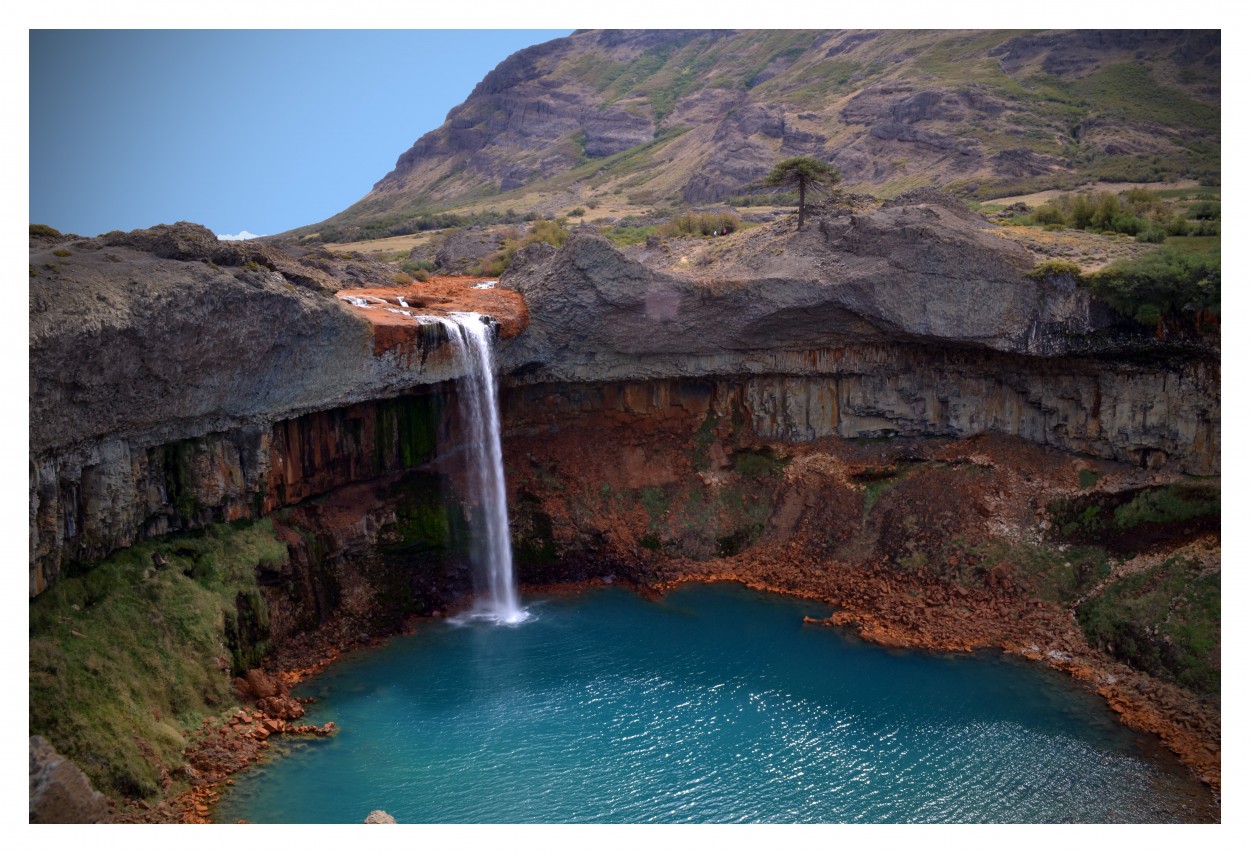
(260, 685)
(462, 250)
(59, 791)
(281, 707)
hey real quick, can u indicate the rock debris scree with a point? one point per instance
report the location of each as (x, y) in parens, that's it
(470, 335)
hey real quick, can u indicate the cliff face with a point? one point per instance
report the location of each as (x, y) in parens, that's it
(911, 320)
(87, 504)
(919, 272)
(129, 343)
(169, 390)
(163, 364)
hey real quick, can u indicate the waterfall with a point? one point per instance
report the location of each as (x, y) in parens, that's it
(479, 408)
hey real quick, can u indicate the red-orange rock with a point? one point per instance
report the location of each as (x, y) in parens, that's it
(260, 685)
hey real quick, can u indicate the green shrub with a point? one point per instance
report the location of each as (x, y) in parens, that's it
(1051, 574)
(629, 235)
(1171, 505)
(397, 225)
(1103, 516)
(757, 463)
(418, 268)
(1165, 284)
(551, 231)
(577, 211)
(62, 253)
(1055, 268)
(1106, 213)
(1152, 233)
(1048, 214)
(777, 199)
(700, 224)
(1178, 226)
(1205, 210)
(1145, 203)
(1081, 211)
(37, 230)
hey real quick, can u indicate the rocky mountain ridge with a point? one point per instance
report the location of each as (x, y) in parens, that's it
(692, 117)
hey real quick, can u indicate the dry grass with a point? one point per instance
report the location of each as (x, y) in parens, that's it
(1088, 251)
(1034, 199)
(388, 245)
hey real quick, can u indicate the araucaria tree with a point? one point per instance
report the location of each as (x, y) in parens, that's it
(807, 173)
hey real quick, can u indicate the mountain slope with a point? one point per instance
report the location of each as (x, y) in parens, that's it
(692, 117)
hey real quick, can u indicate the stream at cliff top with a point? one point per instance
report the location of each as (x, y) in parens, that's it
(715, 704)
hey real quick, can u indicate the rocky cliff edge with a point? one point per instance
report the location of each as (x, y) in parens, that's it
(915, 271)
(166, 333)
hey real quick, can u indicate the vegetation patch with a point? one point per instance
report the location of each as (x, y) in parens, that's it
(1129, 90)
(425, 527)
(1164, 621)
(1139, 213)
(551, 231)
(1059, 576)
(629, 235)
(762, 462)
(876, 482)
(128, 656)
(700, 225)
(406, 430)
(1134, 520)
(533, 534)
(703, 438)
(1055, 268)
(1167, 289)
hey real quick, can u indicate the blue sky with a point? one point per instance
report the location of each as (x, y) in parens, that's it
(238, 130)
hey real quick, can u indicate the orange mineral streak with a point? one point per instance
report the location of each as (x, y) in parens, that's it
(437, 297)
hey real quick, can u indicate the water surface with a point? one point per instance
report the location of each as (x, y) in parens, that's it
(716, 704)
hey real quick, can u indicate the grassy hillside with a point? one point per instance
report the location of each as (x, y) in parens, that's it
(127, 657)
(632, 121)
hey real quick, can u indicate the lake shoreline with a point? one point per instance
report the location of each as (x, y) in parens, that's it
(1141, 705)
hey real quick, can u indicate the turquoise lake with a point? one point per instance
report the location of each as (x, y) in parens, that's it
(714, 704)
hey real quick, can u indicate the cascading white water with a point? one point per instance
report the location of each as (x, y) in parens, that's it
(479, 407)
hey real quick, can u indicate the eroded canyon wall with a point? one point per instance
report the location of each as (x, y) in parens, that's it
(1151, 416)
(86, 505)
(81, 510)
(168, 393)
